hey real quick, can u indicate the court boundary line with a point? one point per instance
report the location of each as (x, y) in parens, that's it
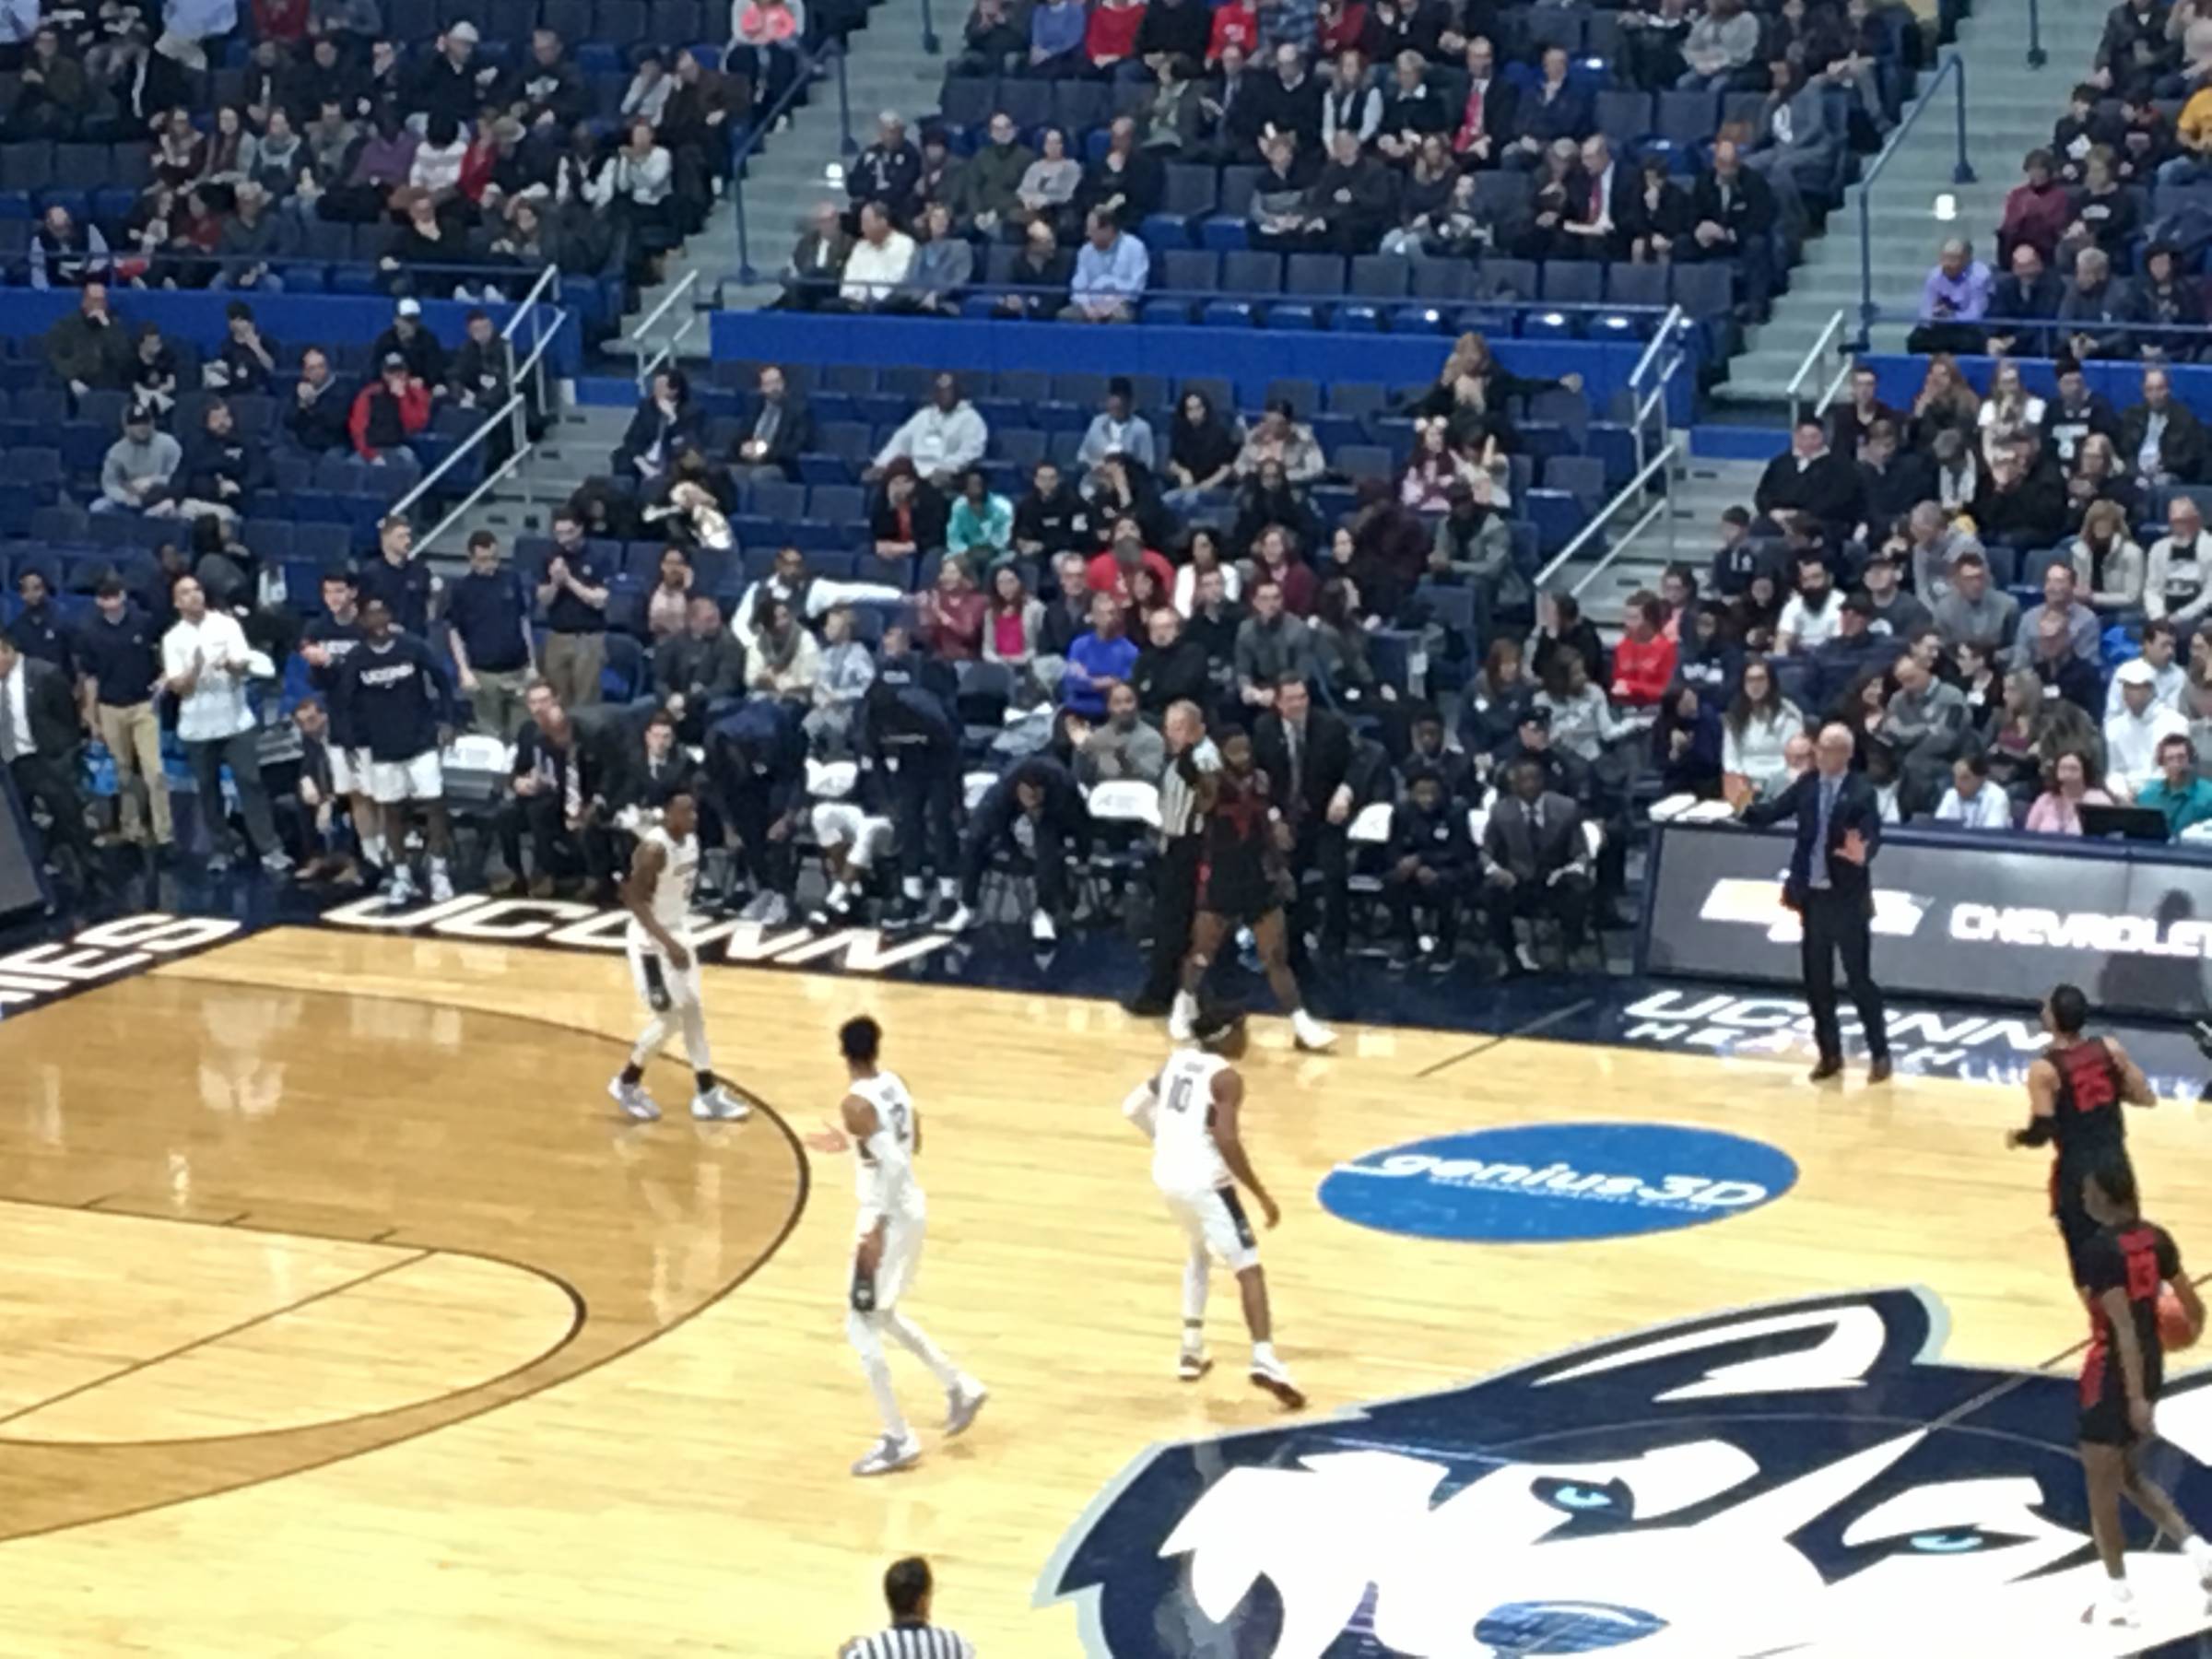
(131, 1369)
(1527, 1027)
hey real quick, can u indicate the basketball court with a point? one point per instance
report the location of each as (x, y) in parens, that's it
(346, 1316)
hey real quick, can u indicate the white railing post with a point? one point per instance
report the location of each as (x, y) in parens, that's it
(1793, 391)
(650, 366)
(1657, 464)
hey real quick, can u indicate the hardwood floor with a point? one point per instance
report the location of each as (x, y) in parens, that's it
(345, 1316)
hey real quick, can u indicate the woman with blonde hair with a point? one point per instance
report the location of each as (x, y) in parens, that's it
(2108, 565)
(1945, 404)
(2009, 411)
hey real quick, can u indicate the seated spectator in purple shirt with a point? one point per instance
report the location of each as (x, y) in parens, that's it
(1953, 298)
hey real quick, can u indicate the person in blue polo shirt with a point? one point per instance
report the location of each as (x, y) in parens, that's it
(119, 654)
(38, 630)
(395, 695)
(573, 590)
(2178, 792)
(494, 657)
(403, 581)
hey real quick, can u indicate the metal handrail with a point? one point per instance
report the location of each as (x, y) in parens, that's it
(650, 366)
(929, 32)
(2200, 332)
(1667, 325)
(468, 503)
(1835, 387)
(1812, 359)
(523, 306)
(1667, 455)
(809, 68)
(509, 412)
(2036, 56)
(1951, 68)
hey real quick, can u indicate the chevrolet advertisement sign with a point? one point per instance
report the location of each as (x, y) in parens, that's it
(1986, 918)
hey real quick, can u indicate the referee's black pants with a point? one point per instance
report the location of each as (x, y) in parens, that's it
(1839, 926)
(1174, 903)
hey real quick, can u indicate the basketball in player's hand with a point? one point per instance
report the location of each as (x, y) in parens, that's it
(2176, 1332)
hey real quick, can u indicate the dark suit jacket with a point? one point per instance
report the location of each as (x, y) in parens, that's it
(1325, 761)
(1512, 842)
(52, 710)
(795, 433)
(2182, 448)
(1855, 809)
(648, 426)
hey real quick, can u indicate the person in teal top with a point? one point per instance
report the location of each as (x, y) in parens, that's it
(978, 519)
(2178, 792)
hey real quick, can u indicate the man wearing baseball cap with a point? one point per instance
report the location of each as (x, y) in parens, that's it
(390, 409)
(424, 354)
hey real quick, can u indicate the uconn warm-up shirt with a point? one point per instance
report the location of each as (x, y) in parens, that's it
(395, 697)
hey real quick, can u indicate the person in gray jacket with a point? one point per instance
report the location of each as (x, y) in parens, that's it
(1976, 609)
(135, 476)
(944, 265)
(1926, 725)
(1271, 646)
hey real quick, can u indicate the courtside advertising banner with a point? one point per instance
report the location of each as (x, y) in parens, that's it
(1999, 919)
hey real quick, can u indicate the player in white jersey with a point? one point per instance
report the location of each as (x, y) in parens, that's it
(883, 1130)
(665, 964)
(1190, 1111)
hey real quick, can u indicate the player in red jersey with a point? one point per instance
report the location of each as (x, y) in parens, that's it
(2120, 1268)
(2075, 1093)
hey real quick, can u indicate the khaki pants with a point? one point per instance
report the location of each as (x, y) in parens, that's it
(497, 702)
(572, 664)
(133, 737)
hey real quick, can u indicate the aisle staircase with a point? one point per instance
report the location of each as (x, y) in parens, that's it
(1916, 202)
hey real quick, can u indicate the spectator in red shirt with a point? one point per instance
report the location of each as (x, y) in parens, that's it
(390, 410)
(283, 21)
(2037, 210)
(1109, 572)
(952, 617)
(1643, 662)
(1273, 560)
(1236, 23)
(1109, 38)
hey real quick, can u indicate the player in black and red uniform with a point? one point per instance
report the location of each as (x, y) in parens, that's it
(1241, 884)
(2120, 1268)
(2075, 1093)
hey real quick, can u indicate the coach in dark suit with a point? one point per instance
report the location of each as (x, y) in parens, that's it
(1307, 755)
(1538, 862)
(39, 736)
(1831, 887)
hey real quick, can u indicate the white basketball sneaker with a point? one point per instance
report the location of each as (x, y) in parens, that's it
(633, 1100)
(890, 1454)
(1272, 1374)
(719, 1105)
(961, 1403)
(1310, 1033)
(2114, 1608)
(1193, 1363)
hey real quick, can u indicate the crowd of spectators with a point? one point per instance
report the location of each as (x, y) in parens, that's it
(1428, 130)
(482, 162)
(1874, 581)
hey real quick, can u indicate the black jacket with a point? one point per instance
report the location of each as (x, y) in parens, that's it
(1855, 809)
(1161, 678)
(2183, 451)
(51, 709)
(1325, 761)
(1828, 488)
(794, 435)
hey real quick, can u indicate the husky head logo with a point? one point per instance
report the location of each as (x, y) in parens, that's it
(1801, 1479)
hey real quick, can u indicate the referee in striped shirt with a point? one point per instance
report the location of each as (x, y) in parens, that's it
(1175, 871)
(910, 1635)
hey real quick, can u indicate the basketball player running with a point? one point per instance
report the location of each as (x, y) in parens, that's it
(884, 1133)
(2120, 1268)
(2075, 1095)
(1190, 1109)
(1239, 886)
(665, 964)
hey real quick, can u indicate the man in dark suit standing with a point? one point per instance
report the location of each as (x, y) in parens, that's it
(1307, 755)
(1831, 887)
(778, 431)
(40, 736)
(1537, 863)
